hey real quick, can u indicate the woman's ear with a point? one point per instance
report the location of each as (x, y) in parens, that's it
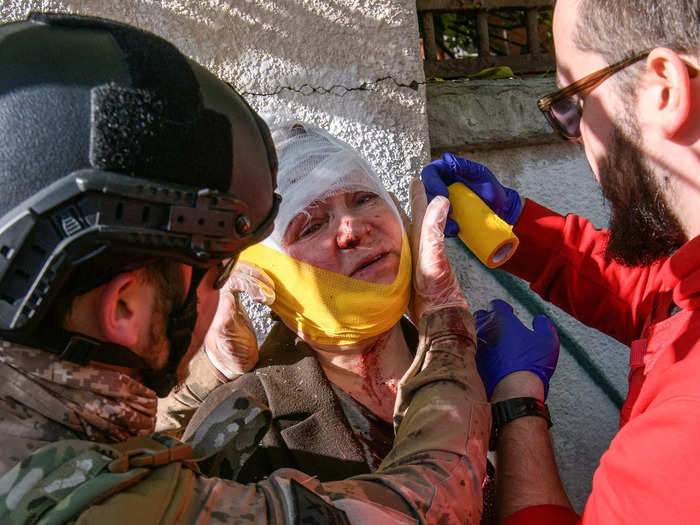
(125, 309)
(666, 97)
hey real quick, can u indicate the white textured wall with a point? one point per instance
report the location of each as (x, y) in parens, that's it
(351, 66)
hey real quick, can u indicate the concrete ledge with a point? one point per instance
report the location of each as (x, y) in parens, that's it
(469, 115)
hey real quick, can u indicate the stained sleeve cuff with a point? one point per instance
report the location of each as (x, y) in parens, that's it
(538, 514)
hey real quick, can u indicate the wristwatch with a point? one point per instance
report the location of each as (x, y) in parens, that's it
(506, 411)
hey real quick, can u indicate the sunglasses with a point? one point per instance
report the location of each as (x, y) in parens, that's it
(563, 110)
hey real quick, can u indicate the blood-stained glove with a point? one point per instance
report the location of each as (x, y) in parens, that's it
(435, 284)
(505, 345)
(230, 343)
(439, 174)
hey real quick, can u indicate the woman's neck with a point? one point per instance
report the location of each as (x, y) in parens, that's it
(369, 371)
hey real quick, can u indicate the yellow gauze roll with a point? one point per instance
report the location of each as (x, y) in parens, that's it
(488, 236)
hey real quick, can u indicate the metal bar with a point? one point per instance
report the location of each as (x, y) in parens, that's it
(482, 29)
(496, 25)
(462, 67)
(533, 40)
(429, 45)
(463, 5)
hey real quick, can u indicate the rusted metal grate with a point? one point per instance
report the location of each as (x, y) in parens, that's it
(492, 43)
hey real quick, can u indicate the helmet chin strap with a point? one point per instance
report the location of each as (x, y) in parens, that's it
(81, 349)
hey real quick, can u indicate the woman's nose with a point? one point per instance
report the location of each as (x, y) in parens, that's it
(351, 230)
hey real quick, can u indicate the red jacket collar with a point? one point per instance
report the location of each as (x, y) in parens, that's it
(681, 271)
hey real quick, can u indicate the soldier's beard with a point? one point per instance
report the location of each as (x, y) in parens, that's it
(643, 228)
(173, 332)
(162, 380)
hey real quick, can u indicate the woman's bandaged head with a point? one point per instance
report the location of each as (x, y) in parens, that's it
(314, 165)
(329, 307)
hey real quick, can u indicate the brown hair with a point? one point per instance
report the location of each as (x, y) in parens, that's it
(618, 29)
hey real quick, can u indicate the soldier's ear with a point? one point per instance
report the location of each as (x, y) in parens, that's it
(125, 309)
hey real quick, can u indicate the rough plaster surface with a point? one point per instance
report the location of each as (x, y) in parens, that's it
(352, 66)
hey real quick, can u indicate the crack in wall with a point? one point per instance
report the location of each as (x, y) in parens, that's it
(337, 90)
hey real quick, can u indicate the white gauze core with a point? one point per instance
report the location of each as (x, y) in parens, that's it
(314, 165)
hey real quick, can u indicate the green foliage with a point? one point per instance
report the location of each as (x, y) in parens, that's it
(456, 33)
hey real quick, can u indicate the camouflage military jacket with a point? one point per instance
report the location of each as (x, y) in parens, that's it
(44, 399)
(432, 475)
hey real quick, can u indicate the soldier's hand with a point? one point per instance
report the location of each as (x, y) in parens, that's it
(435, 284)
(230, 343)
(248, 278)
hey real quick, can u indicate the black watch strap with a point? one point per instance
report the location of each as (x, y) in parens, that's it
(506, 411)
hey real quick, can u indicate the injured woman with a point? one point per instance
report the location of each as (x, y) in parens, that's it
(337, 274)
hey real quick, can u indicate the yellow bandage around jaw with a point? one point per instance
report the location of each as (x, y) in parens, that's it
(329, 307)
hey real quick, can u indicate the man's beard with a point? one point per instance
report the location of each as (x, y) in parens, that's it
(643, 228)
(173, 325)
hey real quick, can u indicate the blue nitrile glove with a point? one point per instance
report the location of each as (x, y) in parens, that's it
(439, 174)
(505, 345)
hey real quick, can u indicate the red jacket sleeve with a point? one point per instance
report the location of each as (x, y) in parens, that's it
(563, 258)
(541, 514)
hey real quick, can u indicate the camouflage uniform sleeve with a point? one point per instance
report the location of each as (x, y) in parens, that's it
(438, 461)
(176, 410)
(432, 475)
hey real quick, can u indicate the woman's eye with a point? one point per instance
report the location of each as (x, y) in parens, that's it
(309, 229)
(363, 198)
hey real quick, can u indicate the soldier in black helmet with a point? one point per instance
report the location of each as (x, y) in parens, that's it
(131, 180)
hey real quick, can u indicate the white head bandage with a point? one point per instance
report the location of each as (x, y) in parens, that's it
(314, 165)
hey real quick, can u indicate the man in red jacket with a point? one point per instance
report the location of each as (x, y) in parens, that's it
(632, 98)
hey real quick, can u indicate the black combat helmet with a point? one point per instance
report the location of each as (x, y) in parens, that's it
(116, 148)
